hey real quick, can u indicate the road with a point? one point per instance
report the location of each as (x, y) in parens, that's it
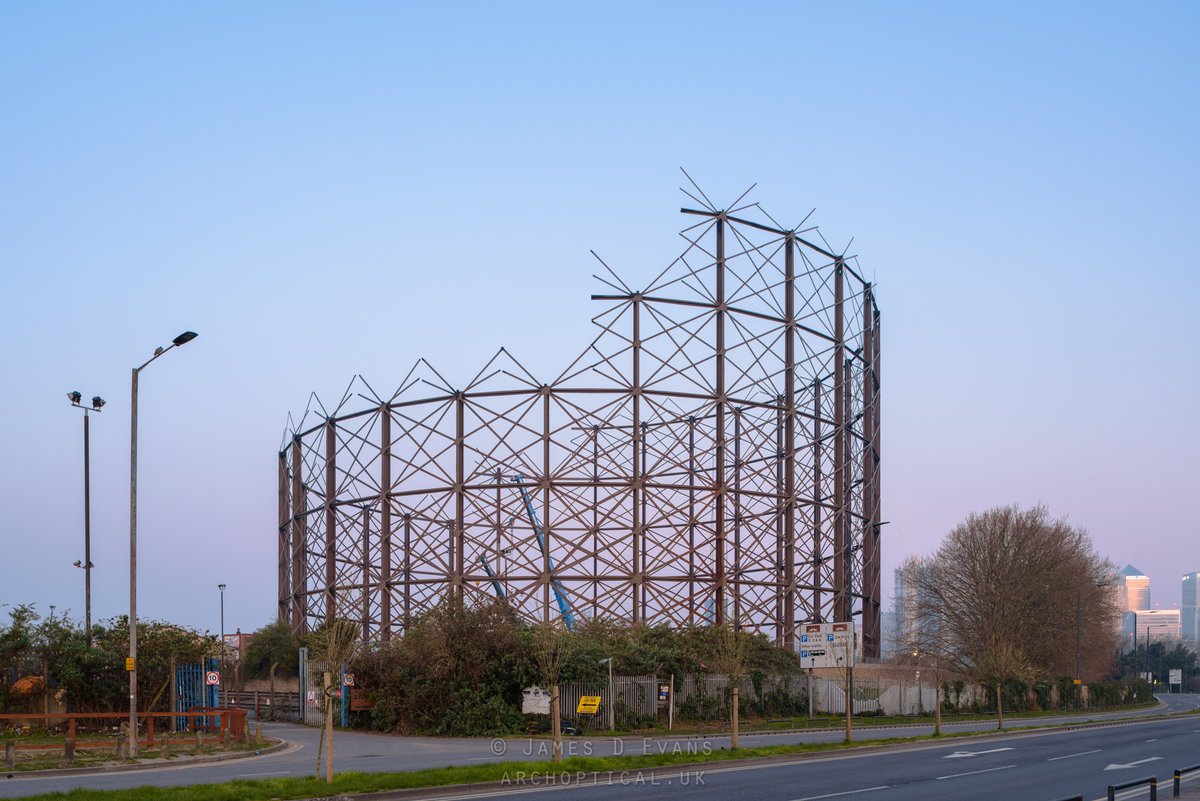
(1043, 765)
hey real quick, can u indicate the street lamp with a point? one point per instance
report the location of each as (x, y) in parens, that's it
(131, 666)
(97, 402)
(221, 587)
(612, 712)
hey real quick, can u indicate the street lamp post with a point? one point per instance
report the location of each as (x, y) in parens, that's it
(1078, 648)
(182, 339)
(97, 402)
(612, 712)
(221, 587)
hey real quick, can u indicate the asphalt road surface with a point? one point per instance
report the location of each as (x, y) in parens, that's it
(1012, 766)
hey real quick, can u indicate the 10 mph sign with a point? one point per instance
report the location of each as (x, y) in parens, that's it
(212, 678)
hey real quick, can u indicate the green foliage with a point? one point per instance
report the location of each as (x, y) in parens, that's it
(462, 666)
(93, 678)
(473, 713)
(273, 643)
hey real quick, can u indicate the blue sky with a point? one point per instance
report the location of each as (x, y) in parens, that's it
(322, 190)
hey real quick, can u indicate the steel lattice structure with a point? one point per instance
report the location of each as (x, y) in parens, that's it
(712, 456)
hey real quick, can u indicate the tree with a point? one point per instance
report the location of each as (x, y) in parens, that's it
(273, 643)
(333, 644)
(551, 652)
(1002, 592)
(730, 655)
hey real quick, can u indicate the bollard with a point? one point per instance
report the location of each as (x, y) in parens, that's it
(1154, 788)
(258, 734)
(199, 741)
(122, 748)
(69, 752)
(165, 750)
(10, 755)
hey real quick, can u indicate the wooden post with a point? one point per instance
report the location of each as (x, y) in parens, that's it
(10, 757)
(165, 751)
(149, 730)
(69, 752)
(199, 741)
(174, 697)
(328, 728)
(733, 703)
(122, 747)
(556, 724)
(671, 705)
(71, 729)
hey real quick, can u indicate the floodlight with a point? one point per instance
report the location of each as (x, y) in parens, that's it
(74, 397)
(97, 402)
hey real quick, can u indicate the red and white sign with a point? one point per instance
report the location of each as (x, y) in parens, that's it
(212, 678)
(312, 696)
(348, 679)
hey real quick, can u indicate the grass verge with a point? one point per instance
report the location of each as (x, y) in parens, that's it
(531, 774)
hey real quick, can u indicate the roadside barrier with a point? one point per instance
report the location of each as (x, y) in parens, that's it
(1150, 780)
(1179, 775)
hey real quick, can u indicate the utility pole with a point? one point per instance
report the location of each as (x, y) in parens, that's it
(97, 402)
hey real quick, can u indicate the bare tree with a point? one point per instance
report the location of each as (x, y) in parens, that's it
(551, 651)
(731, 653)
(1001, 594)
(333, 644)
(843, 654)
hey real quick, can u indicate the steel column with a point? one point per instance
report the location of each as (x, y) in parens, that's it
(299, 541)
(331, 598)
(841, 570)
(385, 523)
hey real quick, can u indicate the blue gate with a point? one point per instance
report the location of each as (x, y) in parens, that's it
(191, 691)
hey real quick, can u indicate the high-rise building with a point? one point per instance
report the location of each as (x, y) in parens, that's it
(1187, 607)
(1137, 589)
(911, 593)
(1154, 624)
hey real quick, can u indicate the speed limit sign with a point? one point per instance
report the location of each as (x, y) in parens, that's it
(212, 678)
(348, 680)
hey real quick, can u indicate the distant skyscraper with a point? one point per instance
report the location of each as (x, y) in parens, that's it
(1156, 624)
(1188, 607)
(911, 594)
(1137, 589)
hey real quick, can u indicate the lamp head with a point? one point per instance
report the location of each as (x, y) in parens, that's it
(184, 338)
(98, 402)
(221, 587)
(74, 397)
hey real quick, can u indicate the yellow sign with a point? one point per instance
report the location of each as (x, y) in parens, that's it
(588, 705)
(129, 663)
(1079, 681)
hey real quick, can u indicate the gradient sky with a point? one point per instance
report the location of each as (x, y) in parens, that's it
(322, 190)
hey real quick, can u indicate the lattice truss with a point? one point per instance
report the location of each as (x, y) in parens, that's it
(711, 457)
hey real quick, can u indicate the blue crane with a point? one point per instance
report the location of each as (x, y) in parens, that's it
(560, 595)
(492, 575)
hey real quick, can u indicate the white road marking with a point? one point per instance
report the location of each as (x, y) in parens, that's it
(973, 772)
(1151, 740)
(960, 754)
(268, 773)
(1115, 766)
(1081, 753)
(847, 792)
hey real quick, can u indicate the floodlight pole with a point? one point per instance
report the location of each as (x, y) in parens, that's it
(97, 402)
(182, 339)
